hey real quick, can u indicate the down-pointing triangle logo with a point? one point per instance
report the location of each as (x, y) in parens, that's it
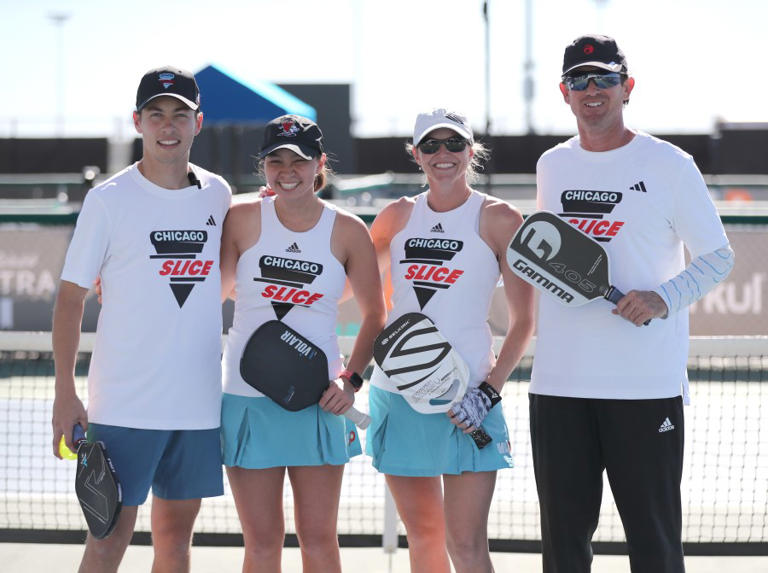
(285, 282)
(180, 249)
(181, 292)
(426, 271)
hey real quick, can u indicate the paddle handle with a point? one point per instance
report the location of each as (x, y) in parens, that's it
(78, 434)
(481, 438)
(613, 294)
(358, 418)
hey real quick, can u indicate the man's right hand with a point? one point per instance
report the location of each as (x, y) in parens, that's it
(66, 413)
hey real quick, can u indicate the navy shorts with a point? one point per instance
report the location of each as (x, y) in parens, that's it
(176, 464)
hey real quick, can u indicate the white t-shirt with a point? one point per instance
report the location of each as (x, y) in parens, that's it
(644, 201)
(291, 276)
(157, 357)
(441, 267)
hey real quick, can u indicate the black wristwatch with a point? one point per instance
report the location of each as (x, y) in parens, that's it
(354, 378)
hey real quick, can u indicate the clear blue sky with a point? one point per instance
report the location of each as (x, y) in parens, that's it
(694, 60)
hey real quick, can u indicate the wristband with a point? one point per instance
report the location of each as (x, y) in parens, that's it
(490, 392)
(354, 379)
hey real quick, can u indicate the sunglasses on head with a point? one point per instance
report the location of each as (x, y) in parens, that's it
(453, 144)
(603, 80)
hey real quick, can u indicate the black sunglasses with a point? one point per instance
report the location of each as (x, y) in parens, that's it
(453, 144)
(603, 80)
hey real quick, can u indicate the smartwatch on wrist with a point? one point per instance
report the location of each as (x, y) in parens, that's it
(353, 377)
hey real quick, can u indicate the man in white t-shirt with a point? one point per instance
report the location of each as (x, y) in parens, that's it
(606, 392)
(152, 234)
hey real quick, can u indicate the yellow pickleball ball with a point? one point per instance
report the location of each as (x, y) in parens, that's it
(65, 452)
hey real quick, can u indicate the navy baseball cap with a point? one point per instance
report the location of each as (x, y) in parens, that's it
(168, 81)
(299, 134)
(597, 51)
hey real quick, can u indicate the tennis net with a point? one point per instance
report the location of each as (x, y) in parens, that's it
(725, 481)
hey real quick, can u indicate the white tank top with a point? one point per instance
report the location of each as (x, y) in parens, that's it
(289, 276)
(442, 268)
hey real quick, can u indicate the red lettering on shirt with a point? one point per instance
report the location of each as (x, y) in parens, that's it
(433, 273)
(293, 295)
(187, 267)
(597, 227)
(600, 228)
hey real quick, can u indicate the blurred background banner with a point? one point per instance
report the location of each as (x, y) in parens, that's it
(32, 255)
(737, 306)
(31, 258)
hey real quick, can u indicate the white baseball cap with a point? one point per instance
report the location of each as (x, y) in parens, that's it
(441, 117)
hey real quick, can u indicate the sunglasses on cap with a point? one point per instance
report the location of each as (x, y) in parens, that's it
(453, 144)
(603, 80)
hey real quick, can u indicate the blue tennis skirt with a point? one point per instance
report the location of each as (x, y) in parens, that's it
(404, 442)
(256, 433)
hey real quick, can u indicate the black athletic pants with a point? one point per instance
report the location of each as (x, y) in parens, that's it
(574, 440)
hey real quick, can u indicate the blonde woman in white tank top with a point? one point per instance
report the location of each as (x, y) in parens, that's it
(262, 441)
(441, 482)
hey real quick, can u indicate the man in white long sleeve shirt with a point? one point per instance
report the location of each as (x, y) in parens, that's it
(606, 391)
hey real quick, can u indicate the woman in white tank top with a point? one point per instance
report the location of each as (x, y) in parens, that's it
(442, 483)
(262, 241)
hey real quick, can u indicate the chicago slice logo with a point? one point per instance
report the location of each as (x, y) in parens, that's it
(181, 249)
(426, 268)
(586, 209)
(286, 280)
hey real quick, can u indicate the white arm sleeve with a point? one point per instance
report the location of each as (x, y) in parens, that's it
(697, 279)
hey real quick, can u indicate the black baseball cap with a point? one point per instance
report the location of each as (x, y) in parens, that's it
(299, 134)
(594, 50)
(168, 81)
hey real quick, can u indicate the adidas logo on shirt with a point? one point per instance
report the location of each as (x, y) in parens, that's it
(294, 248)
(211, 222)
(666, 426)
(437, 229)
(638, 187)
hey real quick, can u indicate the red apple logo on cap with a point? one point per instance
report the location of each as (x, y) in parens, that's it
(588, 49)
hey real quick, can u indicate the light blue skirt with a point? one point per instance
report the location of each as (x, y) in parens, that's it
(404, 442)
(256, 433)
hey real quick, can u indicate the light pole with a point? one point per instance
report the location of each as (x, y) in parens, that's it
(528, 83)
(487, 26)
(487, 46)
(58, 19)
